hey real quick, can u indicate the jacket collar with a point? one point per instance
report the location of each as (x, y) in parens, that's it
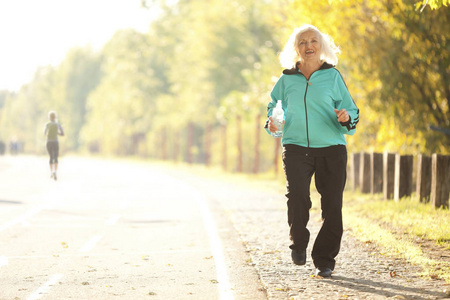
(295, 70)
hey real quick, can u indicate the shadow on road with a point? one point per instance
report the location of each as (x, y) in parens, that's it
(10, 202)
(382, 288)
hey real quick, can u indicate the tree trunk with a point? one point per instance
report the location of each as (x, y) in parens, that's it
(190, 143)
(239, 144)
(208, 145)
(224, 147)
(257, 142)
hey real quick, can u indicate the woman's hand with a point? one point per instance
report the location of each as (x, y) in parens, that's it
(271, 125)
(342, 115)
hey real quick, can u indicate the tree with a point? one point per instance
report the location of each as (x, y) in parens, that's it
(434, 4)
(120, 109)
(395, 61)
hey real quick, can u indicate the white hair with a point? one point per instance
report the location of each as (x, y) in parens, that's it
(328, 52)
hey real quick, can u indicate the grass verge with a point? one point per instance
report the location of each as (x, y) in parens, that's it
(407, 229)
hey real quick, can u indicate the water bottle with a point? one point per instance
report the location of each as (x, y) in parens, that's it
(278, 118)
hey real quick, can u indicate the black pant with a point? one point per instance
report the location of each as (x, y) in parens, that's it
(53, 151)
(329, 167)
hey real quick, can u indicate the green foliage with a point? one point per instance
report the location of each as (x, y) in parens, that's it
(120, 108)
(196, 85)
(63, 89)
(434, 4)
(395, 61)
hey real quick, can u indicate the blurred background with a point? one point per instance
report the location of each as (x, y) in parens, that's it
(189, 80)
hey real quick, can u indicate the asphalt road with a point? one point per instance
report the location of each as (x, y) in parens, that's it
(114, 230)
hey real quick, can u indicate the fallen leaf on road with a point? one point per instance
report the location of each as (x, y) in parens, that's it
(85, 283)
(64, 244)
(214, 281)
(394, 274)
(209, 257)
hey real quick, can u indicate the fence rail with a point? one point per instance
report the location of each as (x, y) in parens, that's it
(392, 174)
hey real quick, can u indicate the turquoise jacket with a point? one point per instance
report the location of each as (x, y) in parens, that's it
(310, 120)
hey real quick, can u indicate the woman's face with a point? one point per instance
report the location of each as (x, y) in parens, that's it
(308, 47)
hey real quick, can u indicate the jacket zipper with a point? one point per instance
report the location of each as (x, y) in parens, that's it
(306, 110)
(306, 113)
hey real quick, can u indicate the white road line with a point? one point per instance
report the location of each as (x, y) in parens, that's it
(43, 289)
(91, 243)
(216, 245)
(21, 219)
(3, 261)
(112, 220)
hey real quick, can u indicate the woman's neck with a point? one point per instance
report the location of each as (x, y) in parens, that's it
(307, 68)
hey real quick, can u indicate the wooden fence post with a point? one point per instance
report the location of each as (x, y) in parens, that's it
(376, 173)
(354, 170)
(388, 175)
(440, 180)
(403, 176)
(364, 173)
(423, 181)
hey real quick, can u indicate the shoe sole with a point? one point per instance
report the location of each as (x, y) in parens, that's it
(324, 275)
(299, 263)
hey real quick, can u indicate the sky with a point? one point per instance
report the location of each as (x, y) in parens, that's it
(36, 33)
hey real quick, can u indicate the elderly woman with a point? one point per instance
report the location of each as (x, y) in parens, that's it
(52, 130)
(319, 111)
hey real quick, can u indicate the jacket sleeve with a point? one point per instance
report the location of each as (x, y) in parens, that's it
(346, 101)
(276, 94)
